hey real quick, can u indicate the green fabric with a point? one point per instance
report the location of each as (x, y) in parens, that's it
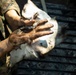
(6, 5)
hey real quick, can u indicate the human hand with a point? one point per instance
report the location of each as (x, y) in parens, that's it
(18, 37)
(26, 22)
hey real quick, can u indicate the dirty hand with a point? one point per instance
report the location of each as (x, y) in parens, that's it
(18, 37)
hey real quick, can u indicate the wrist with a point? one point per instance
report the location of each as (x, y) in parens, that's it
(9, 44)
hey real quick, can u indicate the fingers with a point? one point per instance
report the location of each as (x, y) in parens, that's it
(44, 27)
(39, 23)
(26, 22)
(41, 30)
(31, 22)
(42, 33)
(42, 22)
(34, 34)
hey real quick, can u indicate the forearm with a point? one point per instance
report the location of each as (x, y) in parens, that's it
(13, 19)
(10, 9)
(5, 47)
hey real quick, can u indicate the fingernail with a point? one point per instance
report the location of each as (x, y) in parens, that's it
(51, 32)
(52, 25)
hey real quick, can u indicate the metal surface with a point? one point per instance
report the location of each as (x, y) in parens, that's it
(44, 5)
(62, 59)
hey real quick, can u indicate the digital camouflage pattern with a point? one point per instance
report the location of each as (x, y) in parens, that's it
(5, 5)
(1, 24)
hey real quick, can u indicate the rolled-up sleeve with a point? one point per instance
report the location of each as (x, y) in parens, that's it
(6, 5)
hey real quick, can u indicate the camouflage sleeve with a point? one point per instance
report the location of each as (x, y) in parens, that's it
(6, 5)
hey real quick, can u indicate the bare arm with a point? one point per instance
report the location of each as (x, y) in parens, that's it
(14, 19)
(5, 47)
